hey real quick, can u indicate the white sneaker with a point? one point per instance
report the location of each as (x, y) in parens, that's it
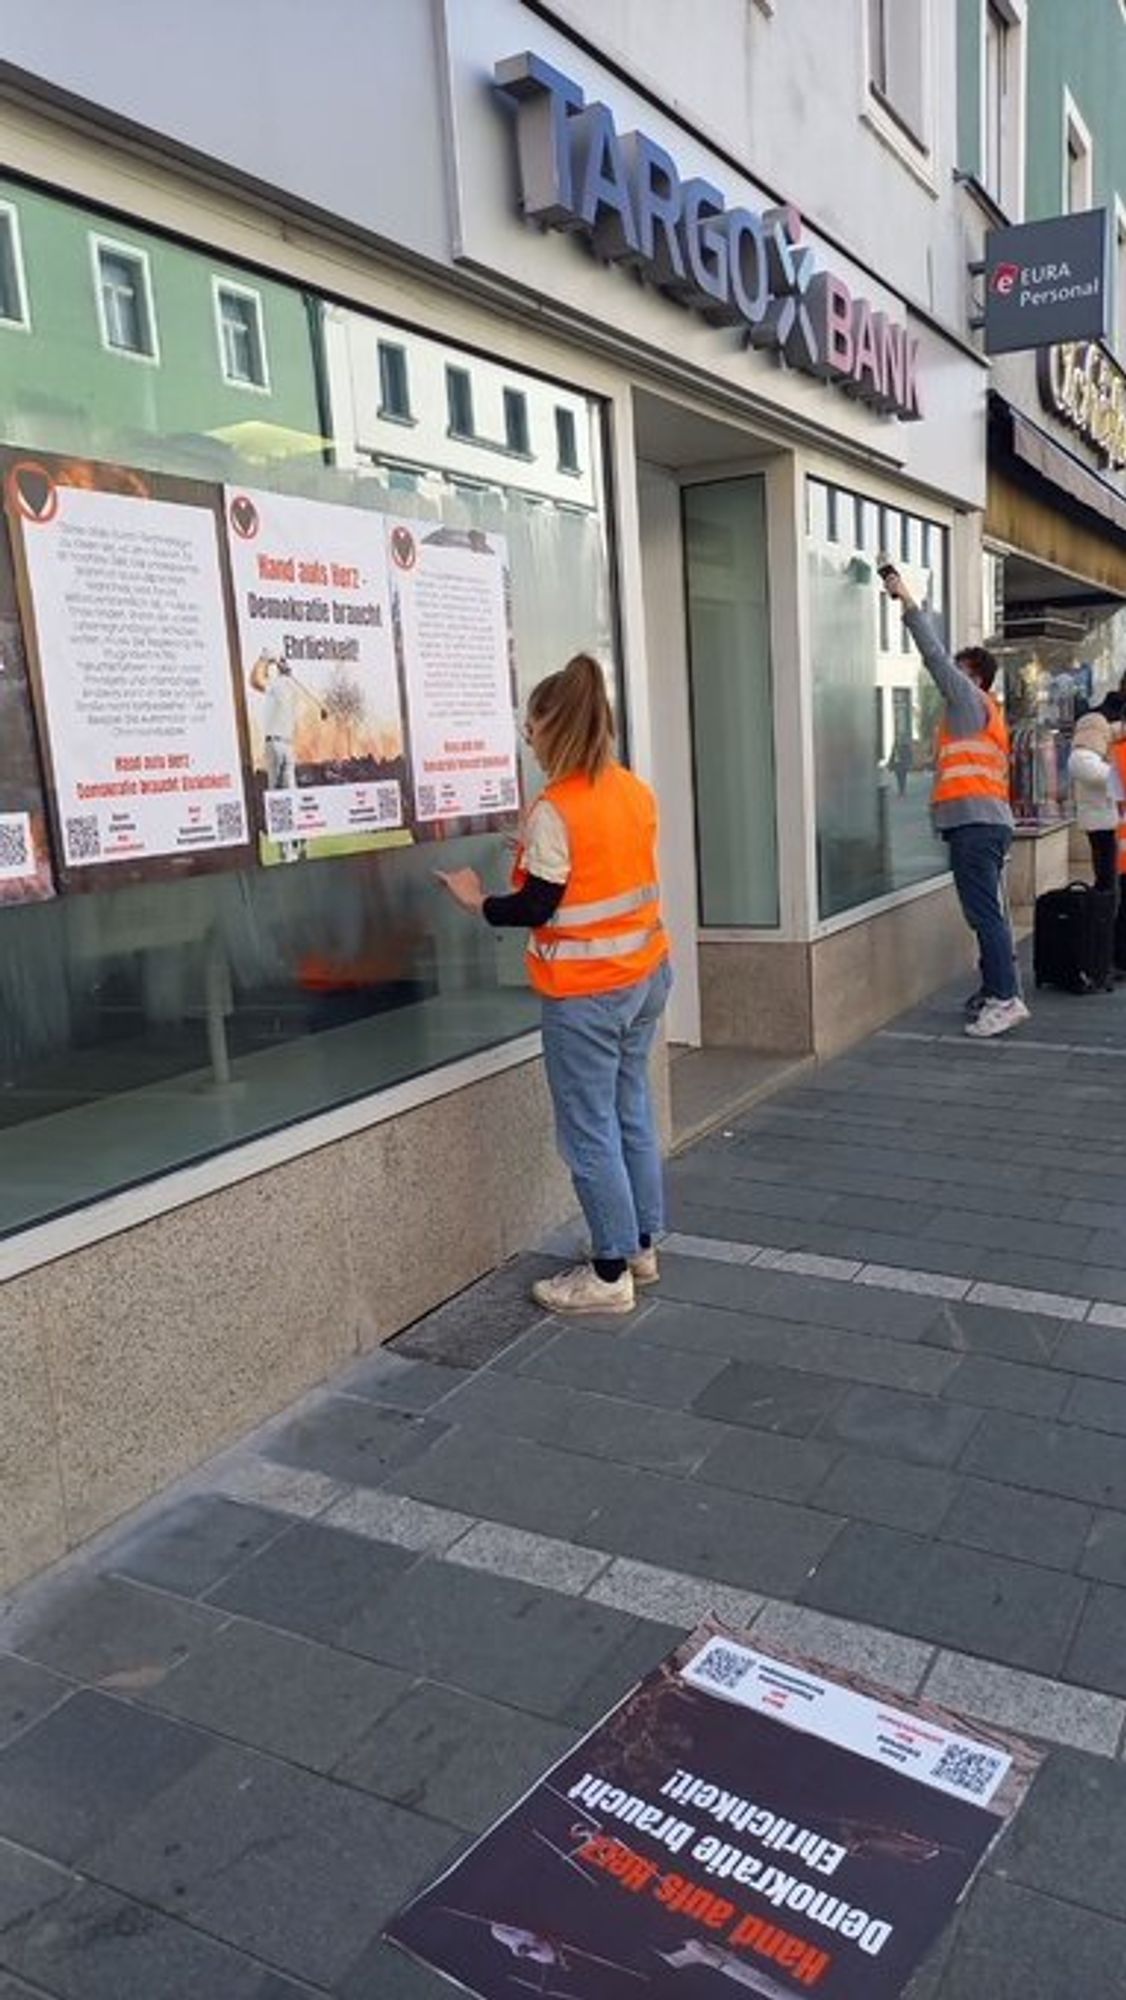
(644, 1268)
(997, 1017)
(581, 1290)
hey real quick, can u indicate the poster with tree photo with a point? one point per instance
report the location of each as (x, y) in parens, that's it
(25, 859)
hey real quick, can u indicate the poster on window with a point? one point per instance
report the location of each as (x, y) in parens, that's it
(129, 643)
(319, 674)
(450, 604)
(743, 1822)
(25, 857)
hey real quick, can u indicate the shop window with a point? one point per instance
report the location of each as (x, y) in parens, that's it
(875, 710)
(242, 343)
(516, 421)
(13, 288)
(124, 294)
(459, 402)
(566, 440)
(394, 382)
(1078, 159)
(234, 926)
(897, 66)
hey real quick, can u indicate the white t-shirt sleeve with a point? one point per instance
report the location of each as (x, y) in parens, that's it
(547, 850)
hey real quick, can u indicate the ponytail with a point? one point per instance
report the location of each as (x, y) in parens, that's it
(575, 719)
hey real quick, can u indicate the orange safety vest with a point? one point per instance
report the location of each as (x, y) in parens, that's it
(1118, 758)
(973, 767)
(607, 930)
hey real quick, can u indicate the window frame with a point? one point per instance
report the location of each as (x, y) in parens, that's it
(512, 401)
(386, 409)
(236, 290)
(914, 150)
(1074, 124)
(1013, 131)
(453, 428)
(138, 256)
(564, 463)
(10, 220)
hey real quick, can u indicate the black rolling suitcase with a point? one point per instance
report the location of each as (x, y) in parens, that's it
(1073, 938)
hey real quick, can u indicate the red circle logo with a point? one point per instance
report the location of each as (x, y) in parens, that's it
(244, 517)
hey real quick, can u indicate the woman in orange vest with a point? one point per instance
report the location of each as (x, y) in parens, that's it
(585, 886)
(1117, 714)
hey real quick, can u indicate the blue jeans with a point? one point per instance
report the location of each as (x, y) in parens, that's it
(977, 856)
(596, 1052)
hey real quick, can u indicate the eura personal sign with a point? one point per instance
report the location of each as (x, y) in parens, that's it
(738, 266)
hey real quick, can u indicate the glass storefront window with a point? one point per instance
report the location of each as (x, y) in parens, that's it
(149, 1025)
(875, 709)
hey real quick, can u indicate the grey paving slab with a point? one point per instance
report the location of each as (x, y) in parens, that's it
(891, 1424)
(864, 1487)
(1097, 1657)
(813, 1302)
(1036, 1238)
(280, 1487)
(511, 1642)
(1099, 1405)
(692, 1183)
(537, 1559)
(777, 1467)
(1104, 1555)
(1009, 1521)
(1056, 1280)
(699, 1220)
(885, 1657)
(112, 1633)
(27, 1692)
(313, 1581)
(789, 1401)
(1066, 1840)
(993, 1383)
(762, 1545)
(893, 1278)
(879, 1246)
(351, 1439)
(599, 1426)
(28, 1884)
(391, 1517)
(273, 1692)
(526, 1484)
(845, 1356)
(385, 1973)
(1029, 1703)
(1093, 1349)
(1011, 1944)
(275, 1861)
(647, 1642)
(670, 1598)
(904, 1212)
(453, 1756)
(1049, 1458)
(1106, 1246)
(398, 1383)
(480, 1322)
(956, 1597)
(625, 1367)
(90, 1766)
(1094, 1214)
(190, 1546)
(101, 1946)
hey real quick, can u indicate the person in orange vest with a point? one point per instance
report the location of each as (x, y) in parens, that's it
(970, 807)
(585, 885)
(1114, 707)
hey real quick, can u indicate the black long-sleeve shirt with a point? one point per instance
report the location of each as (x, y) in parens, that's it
(526, 908)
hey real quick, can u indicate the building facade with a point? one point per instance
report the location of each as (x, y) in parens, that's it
(677, 327)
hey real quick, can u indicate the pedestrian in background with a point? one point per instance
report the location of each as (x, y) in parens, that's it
(586, 888)
(970, 803)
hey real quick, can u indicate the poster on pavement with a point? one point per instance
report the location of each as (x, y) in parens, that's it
(743, 1822)
(319, 673)
(25, 858)
(127, 626)
(454, 634)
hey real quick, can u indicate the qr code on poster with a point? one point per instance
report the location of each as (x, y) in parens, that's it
(427, 802)
(725, 1666)
(16, 857)
(229, 823)
(388, 803)
(83, 840)
(969, 1770)
(508, 792)
(279, 813)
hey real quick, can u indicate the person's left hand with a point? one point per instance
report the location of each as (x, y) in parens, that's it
(464, 885)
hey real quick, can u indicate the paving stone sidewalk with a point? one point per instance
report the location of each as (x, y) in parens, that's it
(876, 1410)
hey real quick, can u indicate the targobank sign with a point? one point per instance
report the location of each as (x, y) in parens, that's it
(739, 266)
(1046, 282)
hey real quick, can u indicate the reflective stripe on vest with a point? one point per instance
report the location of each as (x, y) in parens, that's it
(612, 906)
(618, 946)
(974, 766)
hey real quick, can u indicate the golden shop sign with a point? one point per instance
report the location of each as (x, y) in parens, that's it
(1082, 385)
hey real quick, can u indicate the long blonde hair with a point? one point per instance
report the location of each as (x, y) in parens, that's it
(572, 711)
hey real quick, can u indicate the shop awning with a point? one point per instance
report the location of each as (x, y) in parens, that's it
(1044, 502)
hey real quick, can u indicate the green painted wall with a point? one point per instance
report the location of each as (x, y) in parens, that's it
(1080, 43)
(61, 389)
(969, 85)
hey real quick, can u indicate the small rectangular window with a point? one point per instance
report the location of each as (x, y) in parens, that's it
(516, 421)
(897, 61)
(394, 382)
(566, 440)
(13, 293)
(125, 307)
(459, 400)
(1078, 159)
(242, 345)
